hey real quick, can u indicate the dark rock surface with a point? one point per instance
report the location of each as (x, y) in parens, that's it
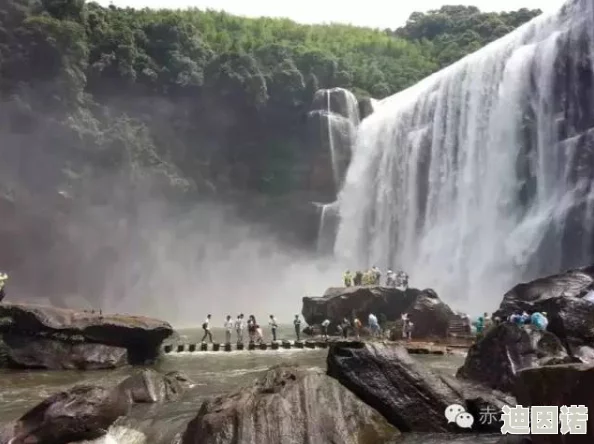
(150, 386)
(431, 316)
(561, 296)
(83, 412)
(558, 385)
(410, 396)
(495, 359)
(54, 330)
(289, 405)
(23, 352)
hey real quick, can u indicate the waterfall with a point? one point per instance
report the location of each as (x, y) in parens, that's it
(336, 113)
(480, 176)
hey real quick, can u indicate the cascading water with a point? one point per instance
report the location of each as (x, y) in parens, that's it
(337, 113)
(480, 176)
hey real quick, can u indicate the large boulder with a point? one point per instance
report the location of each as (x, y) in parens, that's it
(558, 385)
(495, 359)
(61, 331)
(42, 353)
(563, 298)
(410, 396)
(83, 412)
(291, 405)
(150, 386)
(430, 315)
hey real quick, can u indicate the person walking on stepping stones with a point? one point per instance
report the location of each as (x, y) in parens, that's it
(229, 324)
(239, 328)
(297, 324)
(273, 326)
(206, 328)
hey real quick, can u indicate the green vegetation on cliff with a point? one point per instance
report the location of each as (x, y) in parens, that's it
(197, 98)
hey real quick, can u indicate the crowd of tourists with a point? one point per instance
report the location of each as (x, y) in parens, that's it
(536, 318)
(254, 329)
(347, 327)
(373, 276)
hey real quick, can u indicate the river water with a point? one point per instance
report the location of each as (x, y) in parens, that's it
(213, 373)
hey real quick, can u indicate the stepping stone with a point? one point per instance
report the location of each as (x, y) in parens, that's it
(204, 347)
(286, 344)
(263, 346)
(240, 346)
(274, 346)
(310, 344)
(168, 348)
(216, 347)
(251, 346)
(228, 347)
(180, 348)
(299, 344)
(192, 348)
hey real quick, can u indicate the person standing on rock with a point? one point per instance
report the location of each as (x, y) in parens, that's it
(376, 275)
(373, 325)
(358, 279)
(229, 324)
(347, 278)
(390, 279)
(346, 326)
(239, 328)
(297, 324)
(273, 326)
(357, 325)
(206, 328)
(3, 279)
(325, 325)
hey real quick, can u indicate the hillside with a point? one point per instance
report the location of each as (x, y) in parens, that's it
(103, 107)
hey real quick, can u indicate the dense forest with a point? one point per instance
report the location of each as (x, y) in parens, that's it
(100, 106)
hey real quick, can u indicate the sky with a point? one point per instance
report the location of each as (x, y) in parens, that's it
(372, 13)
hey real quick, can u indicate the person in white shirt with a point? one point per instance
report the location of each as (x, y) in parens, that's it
(373, 325)
(325, 325)
(206, 328)
(239, 327)
(273, 326)
(229, 324)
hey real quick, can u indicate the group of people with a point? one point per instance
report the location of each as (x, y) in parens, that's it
(373, 277)
(538, 319)
(355, 326)
(254, 329)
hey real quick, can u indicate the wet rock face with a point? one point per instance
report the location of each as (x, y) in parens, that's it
(289, 405)
(505, 349)
(408, 395)
(431, 316)
(558, 385)
(561, 296)
(83, 412)
(27, 352)
(149, 386)
(38, 336)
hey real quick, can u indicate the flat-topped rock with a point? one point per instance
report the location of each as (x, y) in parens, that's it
(37, 336)
(430, 315)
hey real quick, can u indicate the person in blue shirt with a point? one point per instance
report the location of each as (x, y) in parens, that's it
(539, 320)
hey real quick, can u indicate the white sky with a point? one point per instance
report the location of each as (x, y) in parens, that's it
(374, 13)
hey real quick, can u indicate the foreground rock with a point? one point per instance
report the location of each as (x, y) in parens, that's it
(53, 338)
(507, 348)
(565, 299)
(83, 412)
(410, 397)
(289, 405)
(150, 386)
(431, 316)
(558, 385)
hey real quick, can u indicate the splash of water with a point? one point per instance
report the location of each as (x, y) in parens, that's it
(480, 176)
